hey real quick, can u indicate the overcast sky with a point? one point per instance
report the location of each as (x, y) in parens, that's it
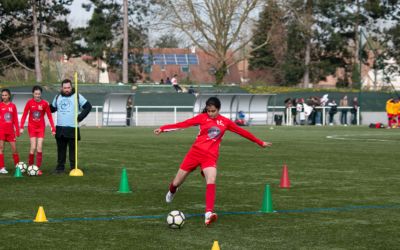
(78, 16)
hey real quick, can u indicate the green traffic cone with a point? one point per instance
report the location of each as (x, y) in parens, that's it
(124, 185)
(18, 173)
(267, 201)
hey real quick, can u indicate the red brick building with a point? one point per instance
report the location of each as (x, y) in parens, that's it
(192, 64)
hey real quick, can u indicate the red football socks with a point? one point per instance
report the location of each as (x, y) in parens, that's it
(210, 197)
(31, 159)
(1, 160)
(16, 158)
(39, 158)
(172, 188)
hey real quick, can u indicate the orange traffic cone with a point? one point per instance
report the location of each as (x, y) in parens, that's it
(285, 182)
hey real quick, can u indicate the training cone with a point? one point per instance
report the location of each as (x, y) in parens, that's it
(285, 182)
(76, 172)
(215, 246)
(40, 216)
(267, 201)
(18, 173)
(124, 185)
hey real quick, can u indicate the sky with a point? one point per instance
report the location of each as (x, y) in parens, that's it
(78, 16)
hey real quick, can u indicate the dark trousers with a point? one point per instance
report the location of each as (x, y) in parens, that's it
(177, 88)
(62, 144)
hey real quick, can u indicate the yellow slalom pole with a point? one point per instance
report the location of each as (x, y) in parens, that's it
(76, 171)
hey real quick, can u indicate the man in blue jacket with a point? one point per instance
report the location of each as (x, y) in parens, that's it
(64, 104)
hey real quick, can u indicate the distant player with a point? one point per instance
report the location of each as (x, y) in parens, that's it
(9, 128)
(36, 108)
(391, 112)
(205, 150)
(396, 111)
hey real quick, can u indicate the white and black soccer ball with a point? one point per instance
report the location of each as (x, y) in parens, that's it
(22, 166)
(175, 219)
(33, 170)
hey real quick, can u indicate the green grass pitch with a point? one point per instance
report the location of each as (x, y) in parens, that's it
(344, 194)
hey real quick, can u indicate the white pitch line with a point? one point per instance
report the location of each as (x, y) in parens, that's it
(345, 137)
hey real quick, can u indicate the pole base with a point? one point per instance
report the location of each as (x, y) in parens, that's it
(76, 172)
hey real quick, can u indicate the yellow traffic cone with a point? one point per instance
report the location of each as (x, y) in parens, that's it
(215, 245)
(40, 216)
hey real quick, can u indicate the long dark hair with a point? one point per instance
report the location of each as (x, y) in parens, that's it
(37, 87)
(212, 101)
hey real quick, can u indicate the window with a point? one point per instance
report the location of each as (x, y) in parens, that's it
(147, 69)
(159, 59)
(170, 59)
(185, 68)
(181, 59)
(192, 59)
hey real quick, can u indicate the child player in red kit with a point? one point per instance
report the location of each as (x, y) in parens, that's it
(205, 150)
(8, 121)
(37, 108)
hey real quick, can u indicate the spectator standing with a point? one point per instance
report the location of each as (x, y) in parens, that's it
(344, 103)
(301, 111)
(129, 108)
(354, 110)
(332, 111)
(288, 109)
(168, 81)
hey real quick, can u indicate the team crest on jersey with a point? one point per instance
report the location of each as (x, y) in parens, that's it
(7, 117)
(213, 132)
(220, 123)
(40, 107)
(65, 105)
(36, 115)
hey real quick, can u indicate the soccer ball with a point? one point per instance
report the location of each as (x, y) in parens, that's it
(33, 170)
(175, 219)
(22, 166)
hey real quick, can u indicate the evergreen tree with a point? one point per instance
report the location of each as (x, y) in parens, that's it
(167, 41)
(103, 37)
(26, 21)
(263, 57)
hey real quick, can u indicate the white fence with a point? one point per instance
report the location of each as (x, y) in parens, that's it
(325, 112)
(146, 116)
(169, 114)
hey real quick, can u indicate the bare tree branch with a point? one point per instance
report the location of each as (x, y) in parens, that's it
(213, 26)
(15, 57)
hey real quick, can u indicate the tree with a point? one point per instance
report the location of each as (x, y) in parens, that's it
(36, 22)
(108, 36)
(213, 26)
(167, 41)
(264, 56)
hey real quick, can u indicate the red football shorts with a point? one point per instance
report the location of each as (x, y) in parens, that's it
(7, 137)
(38, 133)
(193, 159)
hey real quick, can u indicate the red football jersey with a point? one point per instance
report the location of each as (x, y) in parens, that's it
(36, 114)
(8, 118)
(211, 132)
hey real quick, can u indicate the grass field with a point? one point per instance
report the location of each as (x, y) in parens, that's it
(344, 194)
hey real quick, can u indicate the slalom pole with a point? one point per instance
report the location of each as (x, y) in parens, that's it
(76, 171)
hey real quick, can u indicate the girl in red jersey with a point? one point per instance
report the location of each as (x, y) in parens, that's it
(205, 150)
(8, 121)
(37, 108)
